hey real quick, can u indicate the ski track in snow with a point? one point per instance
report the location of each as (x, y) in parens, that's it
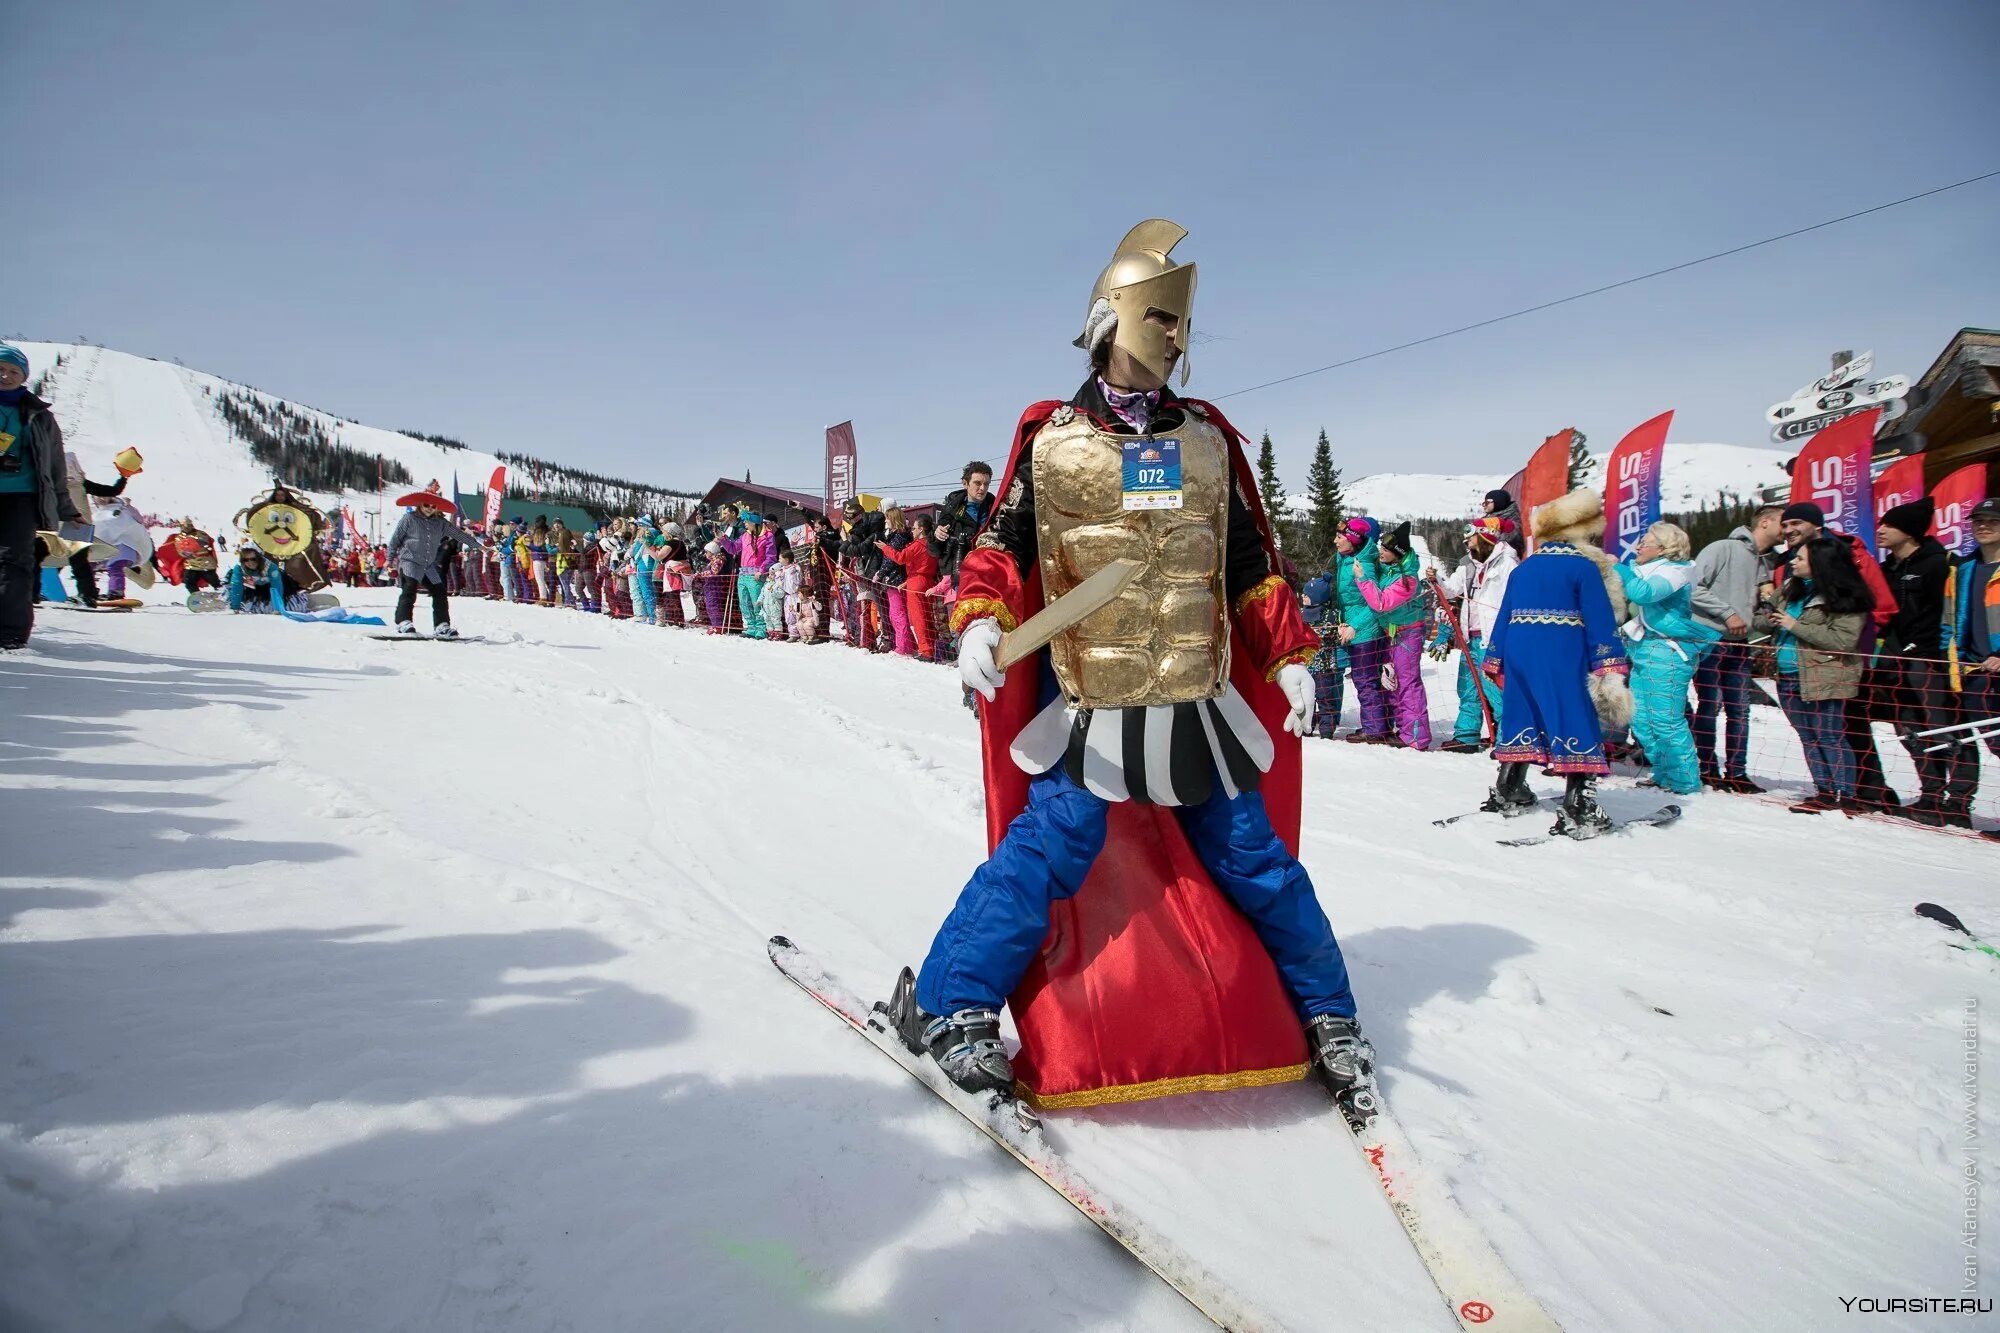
(360, 985)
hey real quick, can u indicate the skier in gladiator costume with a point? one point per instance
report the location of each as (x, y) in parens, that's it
(1142, 909)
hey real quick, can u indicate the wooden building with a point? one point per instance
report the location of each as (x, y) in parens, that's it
(1954, 413)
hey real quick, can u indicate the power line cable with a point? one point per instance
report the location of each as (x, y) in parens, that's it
(1610, 286)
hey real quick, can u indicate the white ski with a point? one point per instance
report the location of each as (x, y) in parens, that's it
(1014, 1127)
(1475, 1283)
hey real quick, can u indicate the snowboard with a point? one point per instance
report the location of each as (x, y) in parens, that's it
(1473, 1280)
(1660, 818)
(206, 601)
(120, 603)
(426, 638)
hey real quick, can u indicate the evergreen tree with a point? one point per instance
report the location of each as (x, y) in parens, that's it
(1581, 464)
(1325, 506)
(1269, 488)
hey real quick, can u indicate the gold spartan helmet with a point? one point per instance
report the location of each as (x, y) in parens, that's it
(1139, 278)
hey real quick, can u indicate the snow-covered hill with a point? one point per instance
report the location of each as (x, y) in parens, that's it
(1693, 475)
(196, 466)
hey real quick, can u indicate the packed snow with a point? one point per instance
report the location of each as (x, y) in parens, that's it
(363, 985)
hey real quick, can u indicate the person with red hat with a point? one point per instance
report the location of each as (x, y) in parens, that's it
(417, 549)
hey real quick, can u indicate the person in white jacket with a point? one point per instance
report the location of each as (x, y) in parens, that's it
(1477, 587)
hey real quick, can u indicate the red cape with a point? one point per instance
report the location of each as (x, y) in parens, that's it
(1150, 981)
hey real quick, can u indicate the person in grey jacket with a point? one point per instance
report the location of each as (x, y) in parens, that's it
(417, 548)
(34, 493)
(1731, 572)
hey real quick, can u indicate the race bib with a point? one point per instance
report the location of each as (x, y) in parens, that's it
(6, 441)
(1153, 474)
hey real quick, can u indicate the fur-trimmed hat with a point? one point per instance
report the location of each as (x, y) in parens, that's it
(1578, 515)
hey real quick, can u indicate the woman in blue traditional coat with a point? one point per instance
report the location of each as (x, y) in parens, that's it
(1556, 649)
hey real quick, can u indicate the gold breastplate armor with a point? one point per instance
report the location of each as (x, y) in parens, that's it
(1166, 639)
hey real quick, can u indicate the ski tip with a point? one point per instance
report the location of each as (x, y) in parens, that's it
(778, 942)
(1944, 916)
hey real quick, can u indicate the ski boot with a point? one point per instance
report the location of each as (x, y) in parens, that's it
(1511, 796)
(966, 1045)
(444, 631)
(1580, 817)
(406, 628)
(1345, 1062)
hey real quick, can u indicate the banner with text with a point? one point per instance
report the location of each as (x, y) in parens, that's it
(1832, 472)
(1955, 496)
(1632, 486)
(1901, 482)
(842, 461)
(496, 494)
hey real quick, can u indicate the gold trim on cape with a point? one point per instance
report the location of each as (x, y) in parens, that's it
(1162, 1087)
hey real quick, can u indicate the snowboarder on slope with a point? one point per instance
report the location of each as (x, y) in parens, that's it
(1556, 649)
(416, 547)
(1142, 795)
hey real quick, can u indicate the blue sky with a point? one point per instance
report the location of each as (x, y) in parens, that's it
(670, 243)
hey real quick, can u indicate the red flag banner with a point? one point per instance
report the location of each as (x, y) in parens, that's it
(1901, 482)
(842, 464)
(1832, 472)
(1955, 496)
(1545, 477)
(1632, 485)
(496, 493)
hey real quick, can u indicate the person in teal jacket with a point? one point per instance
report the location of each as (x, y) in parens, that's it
(1361, 633)
(1668, 643)
(1389, 578)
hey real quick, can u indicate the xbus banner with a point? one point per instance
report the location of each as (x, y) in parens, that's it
(1632, 485)
(1900, 483)
(1832, 472)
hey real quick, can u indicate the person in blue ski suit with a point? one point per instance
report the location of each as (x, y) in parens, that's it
(1321, 607)
(645, 556)
(1561, 661)
(1668, 642)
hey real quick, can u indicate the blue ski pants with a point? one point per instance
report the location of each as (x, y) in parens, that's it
(1471, 723)
(1002, 916)
(1662, 670)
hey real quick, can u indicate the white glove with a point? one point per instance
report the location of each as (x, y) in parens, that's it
(976, 667)
(1301, 693)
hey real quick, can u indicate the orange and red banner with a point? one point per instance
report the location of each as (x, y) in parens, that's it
(1832, 472)
(1955, 496)
(1901, 482)
(1545, 477)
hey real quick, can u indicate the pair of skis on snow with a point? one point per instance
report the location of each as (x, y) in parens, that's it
(1474, 1282)
(1660, 818)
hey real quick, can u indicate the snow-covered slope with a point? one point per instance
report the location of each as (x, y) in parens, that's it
(195, 466)
(1692, 475)
(357, 985)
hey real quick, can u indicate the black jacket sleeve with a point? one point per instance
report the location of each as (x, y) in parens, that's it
(103, 492)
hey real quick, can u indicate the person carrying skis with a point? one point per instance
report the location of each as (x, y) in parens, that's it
(1142, 908)
(417, 547)
(1560, 660)
(1477, 587)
